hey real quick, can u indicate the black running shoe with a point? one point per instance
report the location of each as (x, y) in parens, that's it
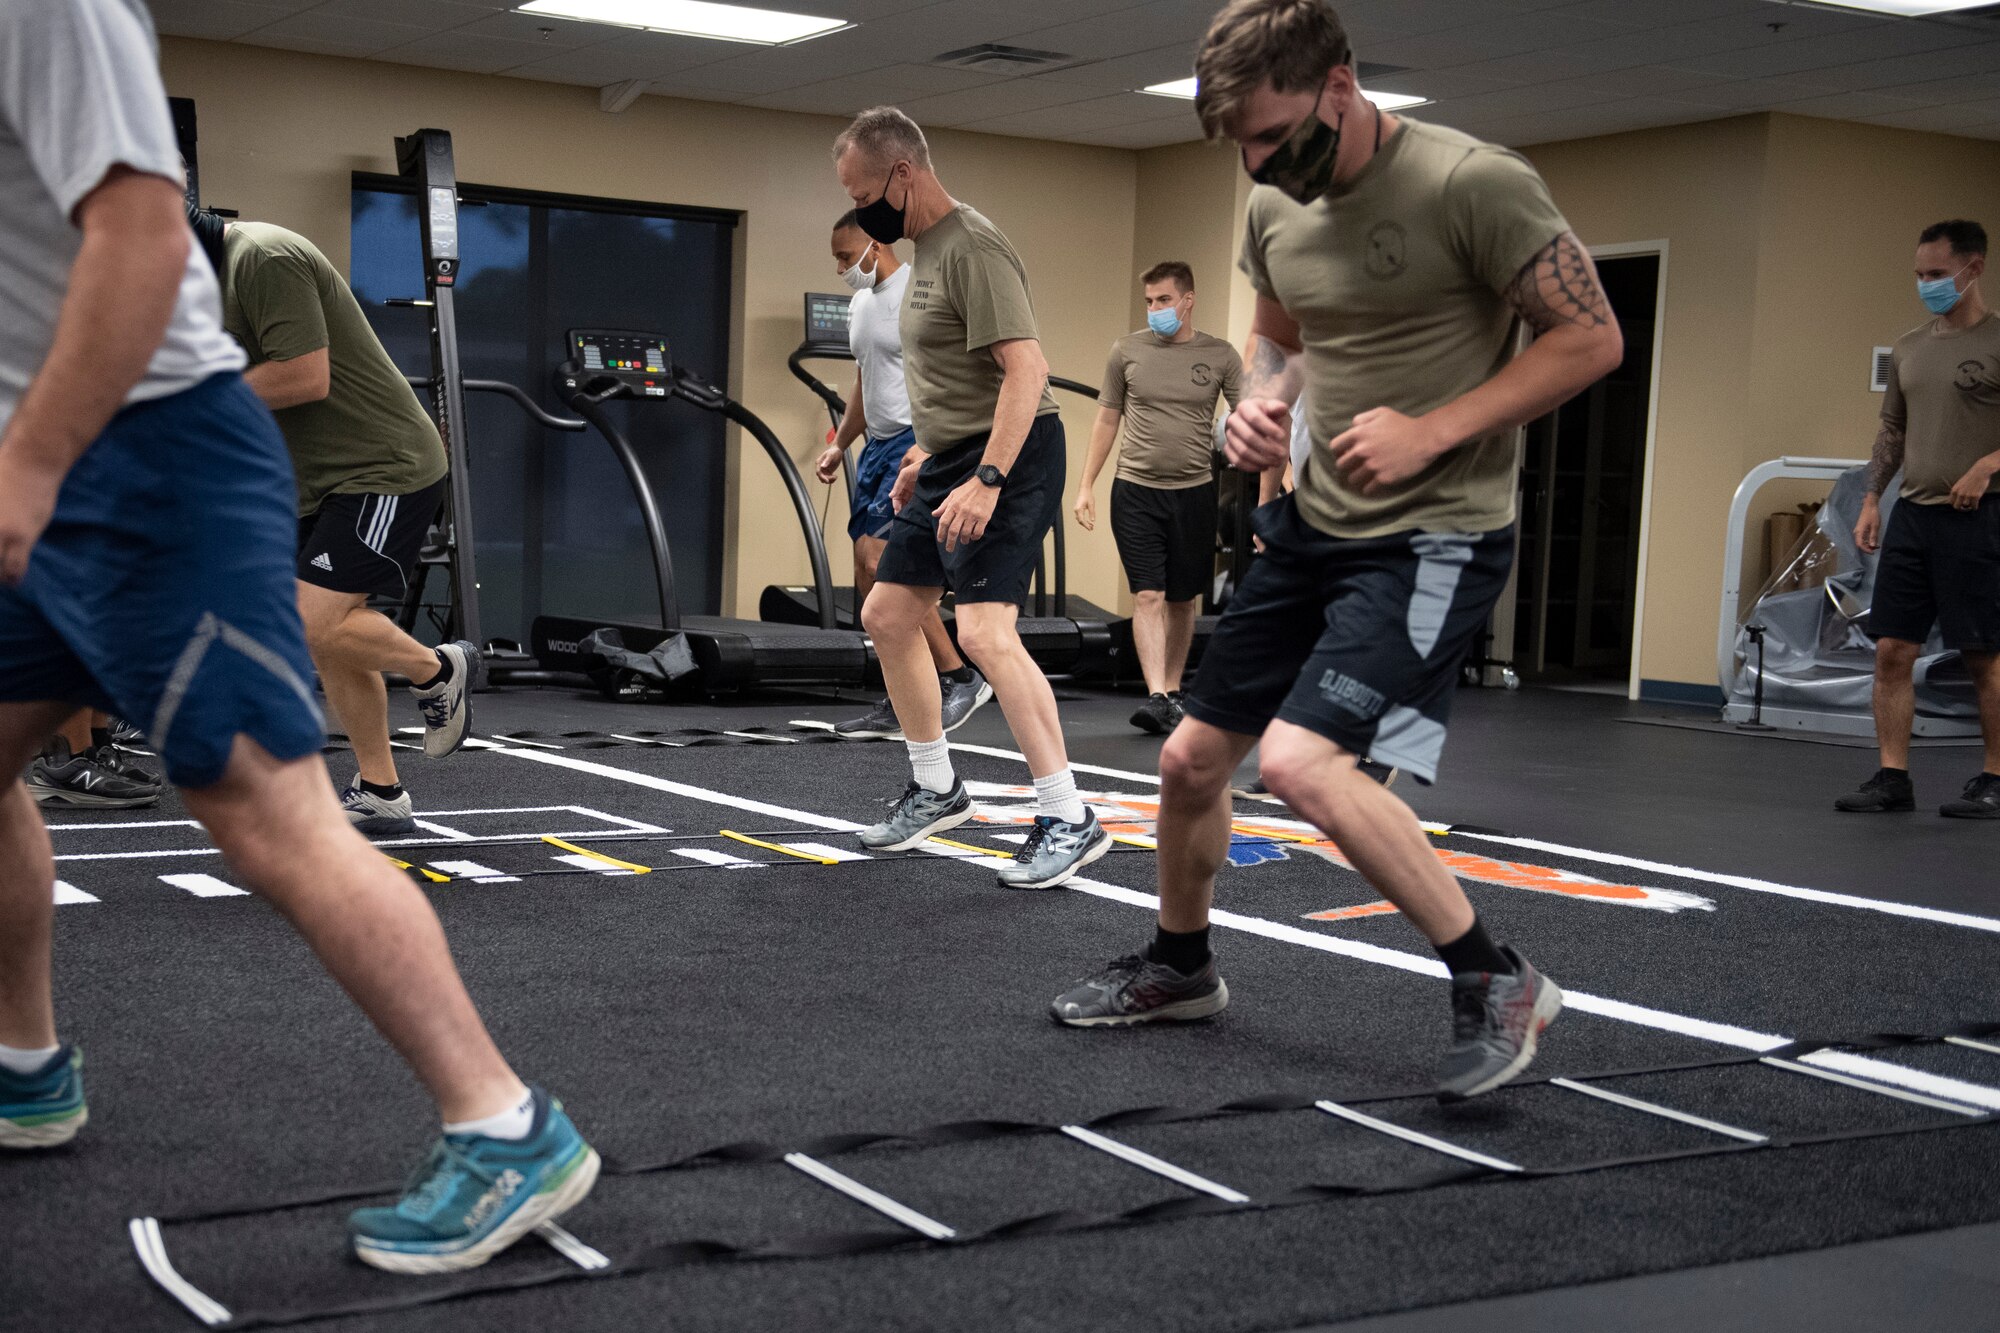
(61, 778)
(125, 765)
(1157, 716)
(127, 736)
(1496, 1020)
(1135, 989)
(1980, 800)
(877, 724)
(1890, 789)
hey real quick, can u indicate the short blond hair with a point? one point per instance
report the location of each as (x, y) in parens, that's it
(885, 135)
(1289, 44)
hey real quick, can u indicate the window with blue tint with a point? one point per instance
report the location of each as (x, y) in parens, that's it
(557, 529)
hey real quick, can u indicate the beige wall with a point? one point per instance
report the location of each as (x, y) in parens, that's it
(280, 133)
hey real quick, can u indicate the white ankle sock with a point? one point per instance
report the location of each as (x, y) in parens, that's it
(19, 1060)
(509, 1124)
(1056, 794)
(930, 765)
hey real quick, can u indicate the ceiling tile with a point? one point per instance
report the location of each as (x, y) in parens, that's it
(1941, 119)
(1139, 70)
(562, 34)
(984, 103)
(1155, 25)
(634, 55)
(1849, 106)
(1100, 113)
(464, 51)
(1654, 80)
(1972, 58)
(1964, 88)
(1877, 41)
(217, 20)
(314, 31)
(1744, 95)
(1529, 100)
(1147, 134)
(431, 17)
(1444, 83)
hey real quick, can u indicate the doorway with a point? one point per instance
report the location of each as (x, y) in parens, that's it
(1583, 493)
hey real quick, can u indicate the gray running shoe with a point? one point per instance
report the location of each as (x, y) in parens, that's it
(1496, 1020)
(962, 700)
(877, 724)
(1135, 989)
(377, 816)
(1055, 851)
(1980, 800)
(917, 815)
(58, 777)
(447, 705)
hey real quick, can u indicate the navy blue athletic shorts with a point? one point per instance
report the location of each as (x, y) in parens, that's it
(874, 477)
(1357, 639)
(162, 590)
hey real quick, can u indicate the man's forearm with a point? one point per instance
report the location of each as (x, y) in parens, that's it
(279, 385)
(1103, 435)
(1273, 371)
(1554, 369)
(1886, 460)
(853, 421)
(1013, 415)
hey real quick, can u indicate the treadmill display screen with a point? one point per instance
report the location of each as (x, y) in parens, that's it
(826, 318)
(630, 352)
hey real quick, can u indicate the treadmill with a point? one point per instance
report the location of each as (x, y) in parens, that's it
(1066, 637)
(605, 365)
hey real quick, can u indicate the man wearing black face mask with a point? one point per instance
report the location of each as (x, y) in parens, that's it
(1391, 260)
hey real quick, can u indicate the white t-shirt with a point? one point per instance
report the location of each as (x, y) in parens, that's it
(80, 93)
(874, 335)
(1302, 440)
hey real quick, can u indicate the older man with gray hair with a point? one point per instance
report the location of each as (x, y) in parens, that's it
(974, 498)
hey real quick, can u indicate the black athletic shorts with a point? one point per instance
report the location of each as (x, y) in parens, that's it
(1000, 566)
(367, 543)
(1357, 639)
(1166, 539)
(1940, 566)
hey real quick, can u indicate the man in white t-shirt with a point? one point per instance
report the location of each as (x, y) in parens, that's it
(878, 409)
(147, 530)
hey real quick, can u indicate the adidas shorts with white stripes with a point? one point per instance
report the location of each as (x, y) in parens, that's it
(367, 543)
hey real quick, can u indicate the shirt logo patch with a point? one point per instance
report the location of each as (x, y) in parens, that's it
(1203, 376)
(1388, 249)
(1968, 376)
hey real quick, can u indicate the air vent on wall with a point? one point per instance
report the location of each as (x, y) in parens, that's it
(992, 58)
(1878, 370)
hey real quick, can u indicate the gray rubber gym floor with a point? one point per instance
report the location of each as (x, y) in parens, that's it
(1695, 893)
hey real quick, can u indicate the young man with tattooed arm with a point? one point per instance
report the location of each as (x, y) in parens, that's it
(1391, 261)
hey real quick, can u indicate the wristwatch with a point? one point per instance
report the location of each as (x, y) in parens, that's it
(991, 476)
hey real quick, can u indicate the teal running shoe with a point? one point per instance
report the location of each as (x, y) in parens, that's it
(474, 1196)
(45, 1108)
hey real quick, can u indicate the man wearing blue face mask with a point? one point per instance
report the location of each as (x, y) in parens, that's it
(1940, 563)
(1161, 384)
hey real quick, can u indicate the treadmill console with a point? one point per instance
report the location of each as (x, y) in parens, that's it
(826, 320)
(641, 363)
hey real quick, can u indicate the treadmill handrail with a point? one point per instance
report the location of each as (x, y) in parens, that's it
(821, 389)
(515, 392)
(592, 406)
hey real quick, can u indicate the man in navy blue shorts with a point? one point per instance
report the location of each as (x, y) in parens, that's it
(147, 533)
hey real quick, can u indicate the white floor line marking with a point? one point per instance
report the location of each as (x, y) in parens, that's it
(709, 856)
(1884, 1071)
(125, 824)
(633, 825)
(1145, 1161)
(995, 752)
(1654, 1108)
(830, 853)
(860, 1193)
(591, 863)
(1412, 1136)
(67, 893)
(205, 886)
(1868, 1085)
(442, 831)
(1722, 1034)
(569, 1247)
(152, 1252)
(1972, 1045)
(474, 871)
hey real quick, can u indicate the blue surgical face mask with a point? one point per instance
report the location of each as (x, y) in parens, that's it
(1165, 322)
(1939, 295)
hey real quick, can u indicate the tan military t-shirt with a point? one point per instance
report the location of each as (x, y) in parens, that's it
(967, 291)
(1167, 391)
(1396, 280)
(1944, 395)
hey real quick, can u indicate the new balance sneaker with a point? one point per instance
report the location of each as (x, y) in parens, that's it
(58, 777)
(474, 1196)
(45, 1108)
(1890, 789)
(877, 724)
(963, 698)
(378, 816)
(447, 705)
(1159, 715)
(125, 765)
(1135, 989)
(126, 736)
(916, 815)
(1496, 1020)
(1055, 851)
(1980, 800)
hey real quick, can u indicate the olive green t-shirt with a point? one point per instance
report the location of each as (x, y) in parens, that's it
(281, 299)
(1944, 394)
(1167, 392)
(1396, 279)
(967, 291)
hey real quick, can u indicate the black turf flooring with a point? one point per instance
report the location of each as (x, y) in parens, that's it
(681, 1010)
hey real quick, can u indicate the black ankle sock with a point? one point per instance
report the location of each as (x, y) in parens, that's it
(386, 793)
(1184, 951)
(962, 676)
(1475, 951)
(100, 737)
(443, 674)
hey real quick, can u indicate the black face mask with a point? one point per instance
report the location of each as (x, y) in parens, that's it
(881, 220)
(1303, 164)
(207, 229)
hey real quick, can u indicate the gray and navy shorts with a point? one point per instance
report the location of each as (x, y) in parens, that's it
(1356, 639)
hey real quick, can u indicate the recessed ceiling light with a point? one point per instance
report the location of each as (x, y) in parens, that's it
(1902, 9)
(1387, 101)
(693, 18)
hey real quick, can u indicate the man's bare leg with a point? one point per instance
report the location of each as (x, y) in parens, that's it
(894, 616)
(1149, 637)
(1179, 639)
(1985, 669)
(282, 831)
(988, 634)
(1195, 768)
(867, 555)
(27, 884)
(1895, 700)
(352, 646)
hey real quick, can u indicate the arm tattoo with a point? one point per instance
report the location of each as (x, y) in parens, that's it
(1887, 459)
(1267, 362)
(1556, 287)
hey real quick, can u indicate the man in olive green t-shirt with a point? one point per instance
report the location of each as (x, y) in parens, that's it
(1940, 559)
(371, 476)
(1391, 260)
(975, 497)
(1161, 384)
